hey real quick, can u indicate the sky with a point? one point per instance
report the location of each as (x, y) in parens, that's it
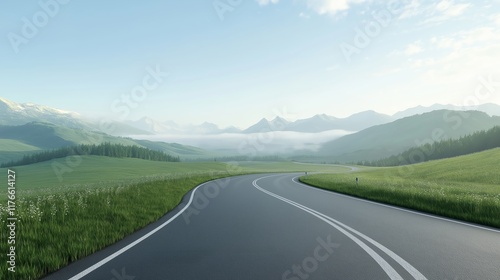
(233, 62)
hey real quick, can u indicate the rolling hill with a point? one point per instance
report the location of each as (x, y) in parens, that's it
(16, 141)
(389, 139)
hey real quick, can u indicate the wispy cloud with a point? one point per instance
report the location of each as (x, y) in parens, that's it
(412, 9)
(304, 16)
(410, 50)
(467, 39)
(461, 56)
(322, 6)
(265, 2)
(331, 6)
(496, 19)
(446, 10)
(434, 13)
(414, 48)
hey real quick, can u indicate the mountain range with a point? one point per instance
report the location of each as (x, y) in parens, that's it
(365, 136)
(19, 140)
(389, 139)
(12, 113)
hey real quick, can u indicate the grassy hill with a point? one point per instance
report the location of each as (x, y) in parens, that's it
(99, 170)
(12, 149)
(50, 136)
(477, 142)
(16, 141)
(174, 149)
(92, 171)
(390, 139)
(465, 187)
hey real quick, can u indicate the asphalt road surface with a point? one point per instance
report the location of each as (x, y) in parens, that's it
(271, 227)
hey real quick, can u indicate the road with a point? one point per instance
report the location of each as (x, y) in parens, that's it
(272, 227)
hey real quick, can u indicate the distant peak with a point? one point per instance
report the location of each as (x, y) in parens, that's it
(10, 104)
(322, 117)
(280, 119)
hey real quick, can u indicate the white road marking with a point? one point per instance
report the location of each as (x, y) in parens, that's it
(412, 270)
(398, 208)
(341, 227)
(126, 248)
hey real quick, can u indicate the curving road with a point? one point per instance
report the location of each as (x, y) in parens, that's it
(272, 227)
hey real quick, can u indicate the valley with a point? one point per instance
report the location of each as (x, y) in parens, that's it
(89, 191)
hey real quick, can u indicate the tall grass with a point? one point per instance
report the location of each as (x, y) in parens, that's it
(56, 229)
(465, 188)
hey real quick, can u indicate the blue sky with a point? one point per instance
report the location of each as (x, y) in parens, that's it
(233, 62)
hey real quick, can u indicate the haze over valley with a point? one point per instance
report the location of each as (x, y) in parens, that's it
(313, 137)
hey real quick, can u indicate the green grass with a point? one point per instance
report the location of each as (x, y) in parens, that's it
(14, 150)
(50, 136)
(55, 230)
(264, 166)
(380, 141)
(86, 171)
(465, 188)
(101, 200)
(10, 145)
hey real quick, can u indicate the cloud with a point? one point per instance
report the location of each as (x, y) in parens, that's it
(410, 49)
(456, 58)
(304, 16)
(465, 39)
(496, 19)
(411, 10)
(331, 6)
(448, 8)
(322, 6)
(266, 2)
(434, 12)
(413, 48)
(445, 10)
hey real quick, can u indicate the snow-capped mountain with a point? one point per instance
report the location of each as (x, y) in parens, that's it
(12, 113)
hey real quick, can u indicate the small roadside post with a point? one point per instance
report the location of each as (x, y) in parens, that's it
(357, 180)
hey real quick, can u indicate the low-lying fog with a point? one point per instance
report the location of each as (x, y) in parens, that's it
(253, 144)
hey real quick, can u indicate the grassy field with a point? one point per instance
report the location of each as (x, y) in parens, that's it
(263, 166)
(71, 207)
(466, 188)
(96, 201)
(86, 171)
(69, 174)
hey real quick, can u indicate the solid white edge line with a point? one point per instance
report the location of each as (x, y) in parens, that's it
(407, 266)
(397, 208)
(126, 248)
(388, 269)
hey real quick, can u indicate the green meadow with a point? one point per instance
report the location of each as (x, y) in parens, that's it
(71, 207)
(465, 188)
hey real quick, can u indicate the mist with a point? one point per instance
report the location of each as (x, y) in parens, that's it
(265, 143)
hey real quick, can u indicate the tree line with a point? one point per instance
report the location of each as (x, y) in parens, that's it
(104, 149)
(473, 143)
